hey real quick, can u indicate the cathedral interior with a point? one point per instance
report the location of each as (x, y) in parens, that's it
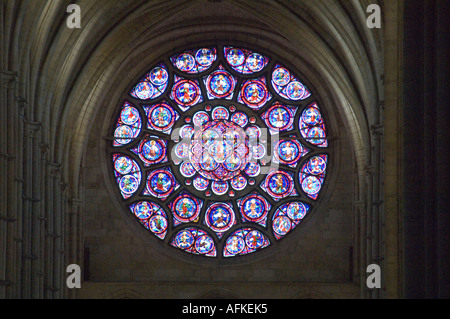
(383, 95)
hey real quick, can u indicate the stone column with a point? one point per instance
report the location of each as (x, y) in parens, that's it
(392, 149)
(442, 147)
(7, 176)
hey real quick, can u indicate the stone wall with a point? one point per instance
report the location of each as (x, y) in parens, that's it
(317, 256)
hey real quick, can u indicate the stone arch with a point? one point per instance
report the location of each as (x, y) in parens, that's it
(63, 75)
(332, 62)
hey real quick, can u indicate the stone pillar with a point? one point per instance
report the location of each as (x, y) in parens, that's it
(60, 212)
(442, 147)
(392, 149)
(8, 186)
(74, 239)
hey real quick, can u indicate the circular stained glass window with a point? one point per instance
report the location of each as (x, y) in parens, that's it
(219, 151)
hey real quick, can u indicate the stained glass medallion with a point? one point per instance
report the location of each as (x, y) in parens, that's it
(151, 85)
(219, 151)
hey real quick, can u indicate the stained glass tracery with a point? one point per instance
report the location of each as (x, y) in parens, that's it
(220, 151)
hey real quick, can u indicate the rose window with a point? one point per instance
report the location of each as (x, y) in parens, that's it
(219, 151)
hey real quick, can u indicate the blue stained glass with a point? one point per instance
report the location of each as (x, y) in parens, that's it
(289, 152)
(220, 113)
(152, 150)
(195, 241)
(312, 127)
(195, 61)
(200, 118)
(127, 174)
(254, 93)
(185, 208)
(128, 125)
(152, 85)
(279, 184)
(312, 175)
(279, 117)
(287, 85)
(186, 93)
(211, 185)
(161, 183)
(152, 216)
(161, 117)
(287, 217)
(219, 187)
(220, 217)
(240, 118)
(245, 241)
(245, 61)
(254, 208)
(220, 84)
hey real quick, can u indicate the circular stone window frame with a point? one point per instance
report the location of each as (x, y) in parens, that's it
(276, 245)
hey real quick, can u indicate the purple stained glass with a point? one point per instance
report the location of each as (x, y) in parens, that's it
(128, 125)
(245, 61)
(279, 117)
(195, 241)
(152, 85)
(186, 93)
(254, 208)
(312, 175)
(152, 151)
(220, 85)
(161, 117)
(195, 61)
(185, 208)
(279, 184)
(245, 241)
(287, 85)
(127, 174)
(215, 155)
(152, 216)
(312, 127)
(254, 93)
(160, 183)
(206, 155)
(220, 217)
